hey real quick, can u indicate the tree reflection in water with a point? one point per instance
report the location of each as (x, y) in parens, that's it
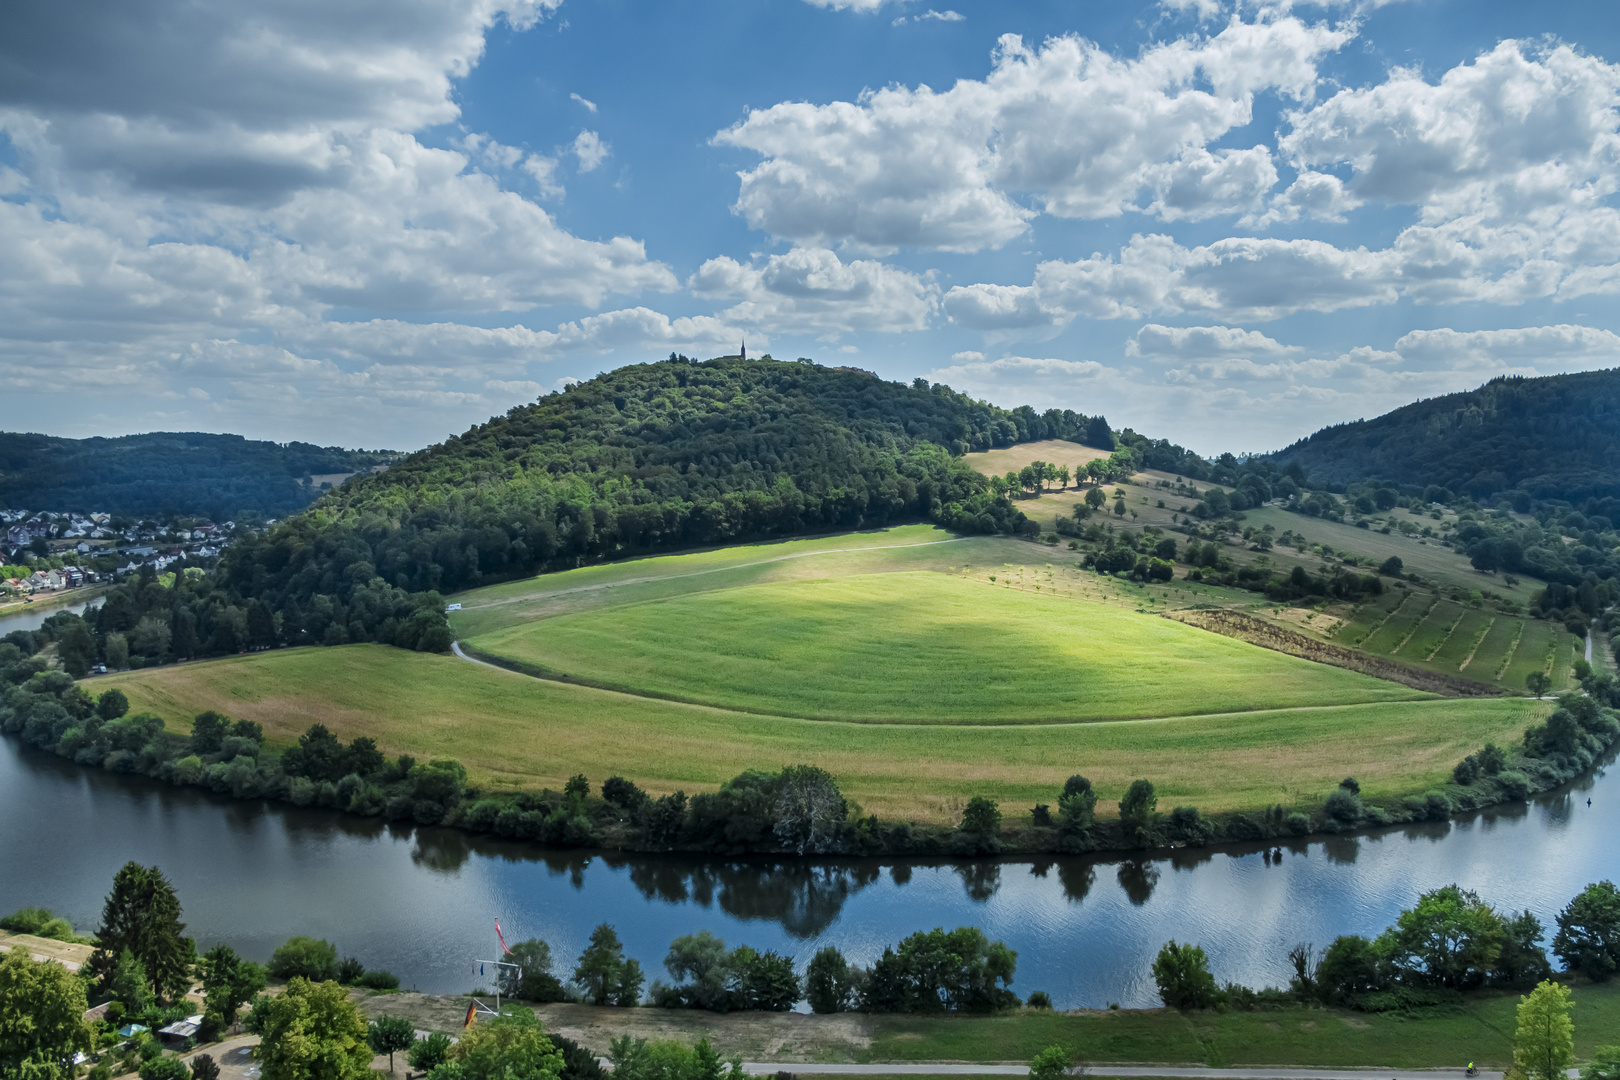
(1077, 878)
(981, 879)
(1138, 877)
(804, 898)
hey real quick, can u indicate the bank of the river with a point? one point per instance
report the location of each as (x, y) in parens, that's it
(31, 614)
(419, 901)
(1256, 775)
(1480, 1029)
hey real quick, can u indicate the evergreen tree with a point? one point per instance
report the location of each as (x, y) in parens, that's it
(603, 971)
(142, 914)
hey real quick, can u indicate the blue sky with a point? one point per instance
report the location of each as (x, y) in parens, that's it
(379, 222)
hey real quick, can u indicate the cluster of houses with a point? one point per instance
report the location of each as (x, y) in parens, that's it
(81, 538)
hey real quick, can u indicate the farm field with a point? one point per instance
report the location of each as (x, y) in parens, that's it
(1056, 451)
(514, 732)
(922, 647)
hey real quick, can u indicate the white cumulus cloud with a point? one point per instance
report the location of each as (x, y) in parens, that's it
(1066, 128)
(811, 290)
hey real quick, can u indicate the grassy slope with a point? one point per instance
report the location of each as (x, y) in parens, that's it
(924, 647)
(517, 732)
(1435, 563)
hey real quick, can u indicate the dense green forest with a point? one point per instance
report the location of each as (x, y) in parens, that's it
(1553, 438)
(167, 473)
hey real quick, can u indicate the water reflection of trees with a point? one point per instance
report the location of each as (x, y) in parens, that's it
(1138, 878)
(981, 879)
(804, 898)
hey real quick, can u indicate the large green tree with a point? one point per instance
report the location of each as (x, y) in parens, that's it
(142, 914)
(510, 1047)
(1588, 938)
(1450, 938)
(229, 982)
(41, 1018)
(1182, 975)
(312, 1031)
(607, 977)
(533, 980)
(1544, 1044)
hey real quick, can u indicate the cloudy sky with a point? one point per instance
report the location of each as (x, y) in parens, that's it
(376, 222)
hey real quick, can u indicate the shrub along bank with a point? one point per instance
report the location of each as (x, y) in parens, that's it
(798, 810)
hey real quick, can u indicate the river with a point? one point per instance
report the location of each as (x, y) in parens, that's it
(420, 902)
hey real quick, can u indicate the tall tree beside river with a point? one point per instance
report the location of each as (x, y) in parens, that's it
(142, 914)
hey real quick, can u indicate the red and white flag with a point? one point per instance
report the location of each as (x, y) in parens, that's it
(501, 937)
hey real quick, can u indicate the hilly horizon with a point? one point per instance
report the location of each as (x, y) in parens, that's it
(1552, 437)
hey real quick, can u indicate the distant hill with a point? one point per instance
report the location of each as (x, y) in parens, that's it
(1556, 437)
(192, 473)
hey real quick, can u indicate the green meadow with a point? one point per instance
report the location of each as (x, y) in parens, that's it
(918, 668)
(922, 647)
(514, 732)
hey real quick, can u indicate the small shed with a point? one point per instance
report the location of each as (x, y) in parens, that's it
(181, 1030)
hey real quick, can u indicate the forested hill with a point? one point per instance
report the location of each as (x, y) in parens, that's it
(213, 476)
(1556, 437)
(654, 456)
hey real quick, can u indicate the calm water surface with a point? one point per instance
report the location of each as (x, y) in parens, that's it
(420, 902)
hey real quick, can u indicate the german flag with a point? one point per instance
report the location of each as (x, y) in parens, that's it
(472, 1014)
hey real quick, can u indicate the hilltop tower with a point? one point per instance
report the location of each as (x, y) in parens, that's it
(742, 350)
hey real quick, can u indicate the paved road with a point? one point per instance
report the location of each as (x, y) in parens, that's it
(455, 647)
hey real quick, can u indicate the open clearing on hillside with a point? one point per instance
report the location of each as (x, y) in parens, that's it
(516, 732)
(922, 647)
(1058, 452)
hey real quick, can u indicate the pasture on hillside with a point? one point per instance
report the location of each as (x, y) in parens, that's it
(514, 732)
(922, 647)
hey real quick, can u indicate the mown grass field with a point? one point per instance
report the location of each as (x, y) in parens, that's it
(517, 732)
(923, 647)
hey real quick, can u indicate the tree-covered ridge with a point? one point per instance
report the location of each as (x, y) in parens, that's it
(168, 473)
(650, 457)
(1552, 438)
